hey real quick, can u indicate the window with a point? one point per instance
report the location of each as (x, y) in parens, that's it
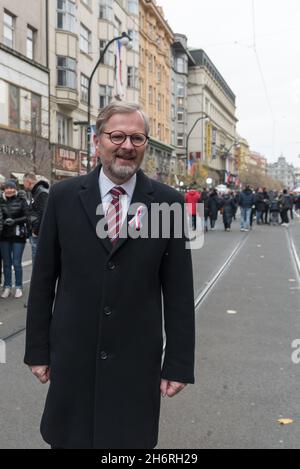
(159, 102)
(83, 137)
(159, 73)
(63, 130)
(180, 65)
(159, 131)
(180, 115)
(105, 95)
(132, 77)
(36, 114)
(14, 106)
(180, 102)
(66, 72)
(150, 95)
(8, 29)
(30, 42)
(134, 36)
(180, 90)
(106, 10)
(118, 27)
(133, 6)
(109, 57)
(84, 86)
(85, 39)
(150, 64)
(180, 139)
(66, 15)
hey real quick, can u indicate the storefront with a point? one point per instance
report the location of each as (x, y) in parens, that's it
(21, 153)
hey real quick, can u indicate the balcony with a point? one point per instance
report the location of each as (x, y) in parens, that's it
(67, 97)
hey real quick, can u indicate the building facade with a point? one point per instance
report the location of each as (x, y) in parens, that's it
(297, 177)
(282, 171)
(24, 89)
(79, 32)
(211, 109)
(155, 70)
(181, 61)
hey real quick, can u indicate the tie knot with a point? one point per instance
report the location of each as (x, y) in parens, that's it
(117, 191)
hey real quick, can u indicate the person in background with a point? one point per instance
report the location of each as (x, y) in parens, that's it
(228, 208)
(15, 214)
(39, 191)
(192, 198)
(213, 207)
(246, 202)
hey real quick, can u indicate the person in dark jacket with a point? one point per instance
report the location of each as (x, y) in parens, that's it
(228, 208)
(13, 238)
(285, 202)
(98, 301)
(213, 207)
(246, 201)
(39, 192)
(260, 206)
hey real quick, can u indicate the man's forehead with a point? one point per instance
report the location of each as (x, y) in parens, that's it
(134, 119)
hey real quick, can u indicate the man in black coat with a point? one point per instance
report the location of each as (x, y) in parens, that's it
(98, 305)
(39, 191)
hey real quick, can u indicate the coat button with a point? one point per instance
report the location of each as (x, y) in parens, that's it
(111, 265)
(103, 355)
(107, 311)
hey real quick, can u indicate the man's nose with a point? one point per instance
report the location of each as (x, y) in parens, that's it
(127, 143)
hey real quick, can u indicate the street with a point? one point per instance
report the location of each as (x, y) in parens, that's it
(245, 378)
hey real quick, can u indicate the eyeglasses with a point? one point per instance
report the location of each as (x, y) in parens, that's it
(117, 138)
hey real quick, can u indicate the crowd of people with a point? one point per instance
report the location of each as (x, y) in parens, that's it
(21, 213)
(266, 207)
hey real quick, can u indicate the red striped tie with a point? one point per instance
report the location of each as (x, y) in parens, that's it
(114, 214)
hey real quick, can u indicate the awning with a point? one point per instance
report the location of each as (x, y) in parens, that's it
(19, 177)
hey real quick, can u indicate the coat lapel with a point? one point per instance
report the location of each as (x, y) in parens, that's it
(90, 197)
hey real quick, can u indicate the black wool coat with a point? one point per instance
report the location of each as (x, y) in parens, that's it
(95, 315)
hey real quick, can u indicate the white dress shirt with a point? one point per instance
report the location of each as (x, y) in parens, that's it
(106, 185)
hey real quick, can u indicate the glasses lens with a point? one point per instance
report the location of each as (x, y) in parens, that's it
(117, 137)
(138, 139)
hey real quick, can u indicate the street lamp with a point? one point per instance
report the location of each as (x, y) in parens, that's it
(205, 116)
(126, 41)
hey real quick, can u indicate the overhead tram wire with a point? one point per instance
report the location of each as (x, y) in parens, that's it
(254, 47)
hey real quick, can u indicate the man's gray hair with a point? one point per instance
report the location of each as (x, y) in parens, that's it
(118, 107)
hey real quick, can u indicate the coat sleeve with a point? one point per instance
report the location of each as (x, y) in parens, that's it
(179, 312)
(40, 208)
(45, 274)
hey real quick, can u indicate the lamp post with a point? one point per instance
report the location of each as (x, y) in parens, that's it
(204, 116)
(125, 40)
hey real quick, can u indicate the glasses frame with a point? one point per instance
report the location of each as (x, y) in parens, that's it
(126, 136)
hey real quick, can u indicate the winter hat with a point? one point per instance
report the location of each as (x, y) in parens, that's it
(10, 184)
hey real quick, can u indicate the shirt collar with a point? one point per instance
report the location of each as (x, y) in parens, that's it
(106, 185)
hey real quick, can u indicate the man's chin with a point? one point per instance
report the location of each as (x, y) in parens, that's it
(124, 170)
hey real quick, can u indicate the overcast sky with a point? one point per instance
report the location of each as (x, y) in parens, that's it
(266, 83)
